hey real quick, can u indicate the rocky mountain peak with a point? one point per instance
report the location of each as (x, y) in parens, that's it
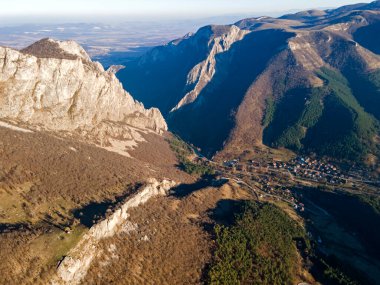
(199, 76)
(50, 48)
(55, 86)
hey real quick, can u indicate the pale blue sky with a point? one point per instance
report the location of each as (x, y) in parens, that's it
(158, 7)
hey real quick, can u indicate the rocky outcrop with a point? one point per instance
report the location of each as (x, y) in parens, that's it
(115, 68)
(55, 86)
(74, 267)
(204, 71)
(49, 48)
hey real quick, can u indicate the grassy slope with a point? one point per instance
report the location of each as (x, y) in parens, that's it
(327, 120)
(366, 88)
(299, 111)
(354, 130)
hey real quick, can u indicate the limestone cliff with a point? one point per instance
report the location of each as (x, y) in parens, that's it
(74, 267)
(204, 71)
(55, 86)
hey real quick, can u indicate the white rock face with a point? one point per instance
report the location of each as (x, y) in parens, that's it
(73, 48)
(305, 54)
(312, 52)
(115, 68)
(202, 73)
(9, 126)
(49, 48)
(74, 267)
(68, 92)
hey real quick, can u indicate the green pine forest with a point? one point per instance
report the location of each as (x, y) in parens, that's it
(335, 120)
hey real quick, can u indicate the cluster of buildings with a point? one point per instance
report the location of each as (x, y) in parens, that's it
(314, 169)
(231, 163)
(275, 177)
(282, 192)
(301, 167)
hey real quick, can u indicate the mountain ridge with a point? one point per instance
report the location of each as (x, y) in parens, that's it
(274, 60)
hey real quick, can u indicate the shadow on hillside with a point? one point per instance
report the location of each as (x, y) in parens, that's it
(184, 190)
(8, 227)
(96, 211)
(225, 210)
(222, 214)
(213, 112)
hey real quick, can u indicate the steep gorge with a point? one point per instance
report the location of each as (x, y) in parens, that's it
(236, 83)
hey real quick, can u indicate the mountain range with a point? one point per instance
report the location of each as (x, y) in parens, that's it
(96, 189)
(308, 81)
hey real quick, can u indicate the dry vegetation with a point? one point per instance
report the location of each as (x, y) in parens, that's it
(44, 178)
(46, 49)
(170, 243)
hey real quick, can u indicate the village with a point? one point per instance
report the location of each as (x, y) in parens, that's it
(276, 180)
(299, 167)
(303, 169)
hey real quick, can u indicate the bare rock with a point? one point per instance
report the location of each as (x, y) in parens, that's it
(54, 85)
(115, 68)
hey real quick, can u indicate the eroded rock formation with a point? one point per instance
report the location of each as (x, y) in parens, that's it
(74, 267)
(55, 86)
